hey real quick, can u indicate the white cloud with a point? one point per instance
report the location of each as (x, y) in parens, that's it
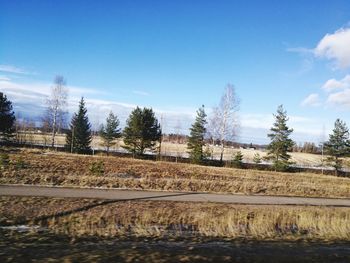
(311, 100)
(338, 92)
(255, 127)
(4, 78)
(257, 120)
(333, 84)
(335, 47)
(340, 99)
(14, 70)
(140, 92)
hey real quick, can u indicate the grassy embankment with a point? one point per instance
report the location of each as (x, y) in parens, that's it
(177, 219)
(48, 168)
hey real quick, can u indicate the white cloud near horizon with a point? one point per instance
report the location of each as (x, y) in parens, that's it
(335, 47)
(29, 101)
(14, 70)
(4, 78)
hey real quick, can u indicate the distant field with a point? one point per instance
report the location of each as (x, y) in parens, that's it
(51, 168)
(180, 150)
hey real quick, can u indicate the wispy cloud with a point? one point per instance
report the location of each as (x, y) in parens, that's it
(312, 100)
(255, 127)
(14, 70)
(307, 62)
(300, 50)
(141, 93)
(4, 78)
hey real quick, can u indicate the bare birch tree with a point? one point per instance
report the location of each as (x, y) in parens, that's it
(223, 123)
(56, 104)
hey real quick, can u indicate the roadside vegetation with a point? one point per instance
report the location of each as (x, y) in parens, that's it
(177, 219)
(64, 169)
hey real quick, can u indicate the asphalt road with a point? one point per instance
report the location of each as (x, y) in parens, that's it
(119, 194)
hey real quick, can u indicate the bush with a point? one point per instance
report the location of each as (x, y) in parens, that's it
(237, 160)
(19, 163)
(4, 160)
(97, 168)
(257, 158)
(282, 166)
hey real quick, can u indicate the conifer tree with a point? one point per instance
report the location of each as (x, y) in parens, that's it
(79, 136)
(237, 160)
(280, 142)
(110, 132)
(142, 131)
(7, 118)
(257, 158)
(196, 140)
(338, 145)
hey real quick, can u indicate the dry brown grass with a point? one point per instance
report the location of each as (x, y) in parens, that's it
(73, 170)
(177, 219)
(179, 150)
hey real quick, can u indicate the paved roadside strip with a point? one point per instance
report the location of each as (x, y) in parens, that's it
(121, 194)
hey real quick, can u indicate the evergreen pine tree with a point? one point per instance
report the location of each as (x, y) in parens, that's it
(196, 140)
(142, 131)
(110, 132)
(338, 145)
(257, 158)
(280, 142)
(237, 160)
(79, 136)
(7, 118)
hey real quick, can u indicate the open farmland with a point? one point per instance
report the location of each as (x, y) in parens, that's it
(50, 168)
(177, 149)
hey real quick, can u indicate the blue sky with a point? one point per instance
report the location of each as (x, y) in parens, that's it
(175, 56)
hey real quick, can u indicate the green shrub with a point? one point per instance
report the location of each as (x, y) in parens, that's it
(237, 160)
(282, 166)
(97, 168)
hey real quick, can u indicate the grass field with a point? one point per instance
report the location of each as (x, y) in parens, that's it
(177, 219)
(51, 168)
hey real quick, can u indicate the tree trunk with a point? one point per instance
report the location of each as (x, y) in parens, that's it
(54, 123)
(222, 151)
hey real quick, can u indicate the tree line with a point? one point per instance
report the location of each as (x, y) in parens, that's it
(143, 132)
